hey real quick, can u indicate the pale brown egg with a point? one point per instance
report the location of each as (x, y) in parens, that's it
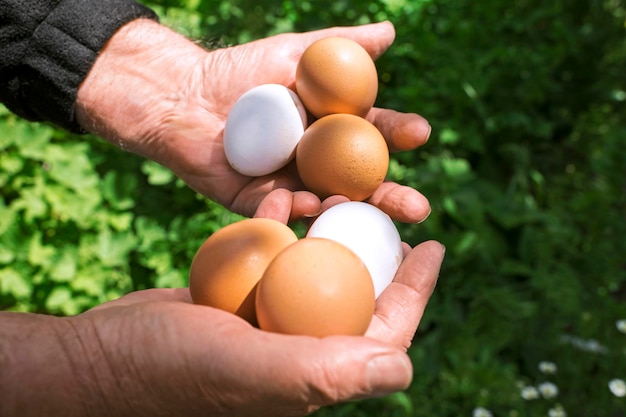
(342, 154)
(336, 75)
(316, 287)
(226, 268)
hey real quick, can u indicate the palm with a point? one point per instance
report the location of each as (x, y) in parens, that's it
(211, 355)
(398, 309)
(228, 73)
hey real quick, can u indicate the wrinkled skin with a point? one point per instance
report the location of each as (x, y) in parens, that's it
(195, 360)
(182, 94)
(154, 353)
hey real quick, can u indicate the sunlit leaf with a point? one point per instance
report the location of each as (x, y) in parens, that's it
(113, 248)
(64, 268)
(13, 283)
(157, 174)
(58, 298)
(119, 190)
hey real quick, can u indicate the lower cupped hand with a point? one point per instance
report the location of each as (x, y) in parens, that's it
(155, 353)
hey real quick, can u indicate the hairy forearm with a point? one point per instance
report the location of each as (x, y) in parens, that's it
(133, 89)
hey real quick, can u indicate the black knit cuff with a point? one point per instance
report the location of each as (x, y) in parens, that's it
(63, 49)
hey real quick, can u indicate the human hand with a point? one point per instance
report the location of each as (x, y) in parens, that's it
(155, 93)
(154, 353)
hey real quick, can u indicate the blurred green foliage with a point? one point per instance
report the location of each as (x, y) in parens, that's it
(525, 171)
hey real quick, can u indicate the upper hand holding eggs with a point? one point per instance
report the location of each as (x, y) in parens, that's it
(341, 152)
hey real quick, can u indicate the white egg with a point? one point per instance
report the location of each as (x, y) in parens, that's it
(263, 128)
(369, 232)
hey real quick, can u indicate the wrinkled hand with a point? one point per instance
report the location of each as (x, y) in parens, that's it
(154, 353)
(155, 93)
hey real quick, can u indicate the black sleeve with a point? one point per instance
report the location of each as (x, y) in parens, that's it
(47, 47)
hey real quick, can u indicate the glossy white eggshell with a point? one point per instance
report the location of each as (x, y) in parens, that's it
(367, 231)
(263, 128)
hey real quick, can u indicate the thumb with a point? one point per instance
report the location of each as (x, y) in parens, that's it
(357, 368)
(308, 373)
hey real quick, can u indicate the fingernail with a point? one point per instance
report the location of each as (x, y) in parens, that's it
(430, 210)
(313, 214)
(389, 373)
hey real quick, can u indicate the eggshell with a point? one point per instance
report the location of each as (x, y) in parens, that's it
(342, 154)
(367, 231)
(263, 128)
(336, 75)
(226, 268)
(315, 287)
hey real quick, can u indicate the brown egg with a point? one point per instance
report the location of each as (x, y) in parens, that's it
(316, 287)
(225, 270)
(336, 75)
(342, 154)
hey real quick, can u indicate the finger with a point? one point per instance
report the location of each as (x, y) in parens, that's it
(286, 206)
(403, 131)
(401, 203)
(406, 248)
(320, 372)
(375, 38)
(400, 307)
(344, 369)
(333, 200)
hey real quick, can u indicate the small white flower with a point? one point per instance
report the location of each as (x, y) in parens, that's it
(548, 390)
(557, 412)
(618, 387)
(589, 345)
(621, 325)
(595, 346)
(481, 412)
(529, 393)
(547, 367)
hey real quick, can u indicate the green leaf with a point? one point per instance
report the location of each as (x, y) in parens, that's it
(71, 167)
(11, 164)
(456, 167)
(7, 217)
(149, 233)
(58, 298)
(113, 248)
(157, 174)
(31, 201)
(119, 190)
(159, 261)
(466, 243)
(171, 279)
(6, 255)
(32, 140)
(90, 282)
(401, 400)
(68, 204)
(13, 283)
(121, 221)
(40, 254)
(448, 137)
(64, 268)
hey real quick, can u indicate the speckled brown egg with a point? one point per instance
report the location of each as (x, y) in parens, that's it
(226, 268)
(316, 287)
(342, 154)
(336, 75)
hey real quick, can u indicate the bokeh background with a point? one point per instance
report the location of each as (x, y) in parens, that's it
(525, 171)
